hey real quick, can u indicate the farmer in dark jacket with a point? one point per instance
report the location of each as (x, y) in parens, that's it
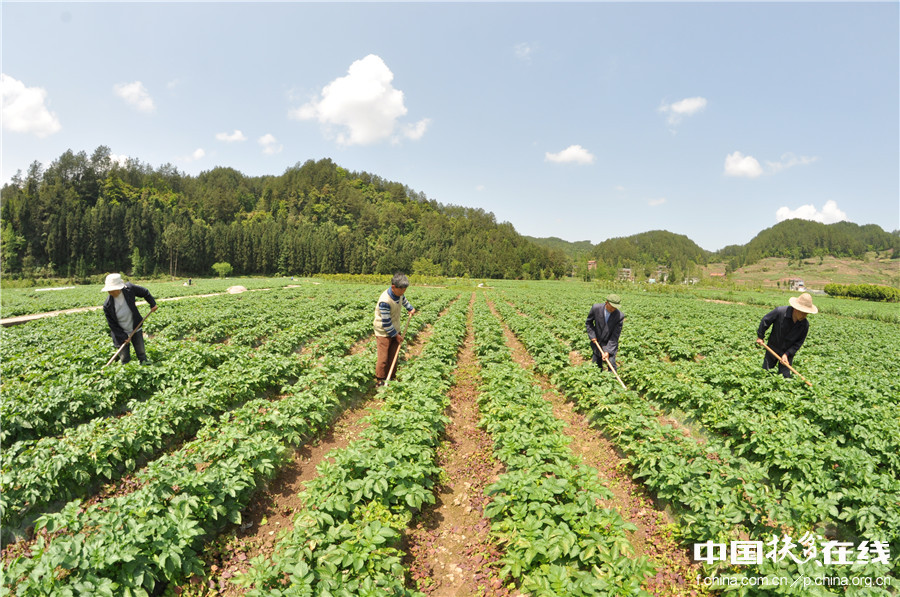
(123, 316)
(604, 324)
(789, 328)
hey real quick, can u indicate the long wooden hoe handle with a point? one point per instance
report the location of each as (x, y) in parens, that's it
(124, 344)
(611, 368)
(777, 356)
(397, 354)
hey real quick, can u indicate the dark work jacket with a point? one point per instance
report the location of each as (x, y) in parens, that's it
(109, 308)
(787, 337)
(606, 333)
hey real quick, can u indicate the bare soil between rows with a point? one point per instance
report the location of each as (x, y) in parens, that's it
(450, 552)
(676, 573)
(271, 511)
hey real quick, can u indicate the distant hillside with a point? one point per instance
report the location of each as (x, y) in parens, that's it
(803, 239)
(647, 251)
(816, 272)
(573, 250)
(791, 240)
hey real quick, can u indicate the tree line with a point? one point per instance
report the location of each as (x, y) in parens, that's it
(84, 215)
(869, 292)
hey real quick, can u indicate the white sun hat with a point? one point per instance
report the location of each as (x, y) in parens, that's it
(113, 282)
(803, 303)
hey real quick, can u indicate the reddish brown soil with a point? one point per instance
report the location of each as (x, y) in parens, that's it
(653, 538)
(271, 511)
(449, 548)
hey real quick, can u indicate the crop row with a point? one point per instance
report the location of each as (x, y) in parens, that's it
(37, 473)
(815, 466)
(545, 509)
(32, 411)
(718, 493)
(128, 544)
(347, 540)
(36, 406)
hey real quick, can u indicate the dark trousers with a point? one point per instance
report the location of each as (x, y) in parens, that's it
(138, 342)
(770, 361)
(597, 358)
(387, 348)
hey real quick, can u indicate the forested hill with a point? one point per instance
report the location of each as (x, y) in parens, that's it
(86, 215)
(802, 239)
(575, 250)
(681, 257)
(648, 250)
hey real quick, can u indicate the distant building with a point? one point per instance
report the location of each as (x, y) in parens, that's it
(592, 264)
(796, 284)
(625, 274)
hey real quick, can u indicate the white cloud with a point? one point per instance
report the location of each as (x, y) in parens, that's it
(235, 136)
(655, 202)
(136, 95)
(121, 160)
(789, 160)
(270, 144)
(24, 109)
(480, 188)
(196, 155)
(829, 214)
(620, 188)
(739, 165)
(574, 154)
(417, 130)
(363, 105)
(686, 107)
(523, 51)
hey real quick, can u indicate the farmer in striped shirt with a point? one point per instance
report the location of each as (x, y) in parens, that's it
(388, 314)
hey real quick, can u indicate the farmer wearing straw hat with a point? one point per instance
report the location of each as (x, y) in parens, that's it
(789, 328)
(604, 324)
(123, 316)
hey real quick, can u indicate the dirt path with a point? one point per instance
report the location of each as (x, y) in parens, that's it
(449, 548)
(653, 538)
(19, 319)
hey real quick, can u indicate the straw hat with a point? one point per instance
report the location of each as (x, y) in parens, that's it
(803, 303)
(113, 282)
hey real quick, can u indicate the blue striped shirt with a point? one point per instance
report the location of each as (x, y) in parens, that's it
(384, 310)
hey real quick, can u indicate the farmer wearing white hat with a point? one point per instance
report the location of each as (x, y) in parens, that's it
(603, 326)
(123, 316)
(789, 328)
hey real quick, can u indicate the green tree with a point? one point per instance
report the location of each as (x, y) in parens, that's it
(223, 268)
(426, 267)
(11, 251)
(137, 264)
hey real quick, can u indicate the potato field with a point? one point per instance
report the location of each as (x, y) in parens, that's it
(255, 456)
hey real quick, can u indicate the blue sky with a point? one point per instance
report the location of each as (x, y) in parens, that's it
(584, 121)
